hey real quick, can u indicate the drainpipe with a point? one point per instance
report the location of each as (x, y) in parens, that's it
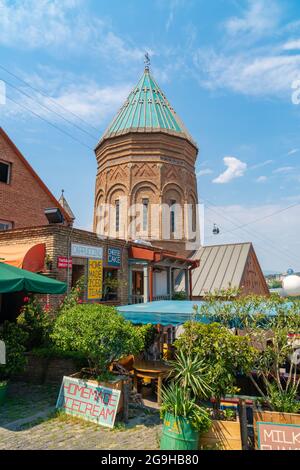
(150, 283)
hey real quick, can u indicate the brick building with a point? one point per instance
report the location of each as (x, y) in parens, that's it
(23, 195)
(147, 158)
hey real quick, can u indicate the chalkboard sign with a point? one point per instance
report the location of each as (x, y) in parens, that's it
(89, 401)
(275, 436)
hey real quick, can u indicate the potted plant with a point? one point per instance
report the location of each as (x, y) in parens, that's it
(276, 370)
(225, 355)
(184, 418)
(48, 262)
(100, 334)
(14, 338)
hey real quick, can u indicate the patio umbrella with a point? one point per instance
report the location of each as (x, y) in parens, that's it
(15, 280)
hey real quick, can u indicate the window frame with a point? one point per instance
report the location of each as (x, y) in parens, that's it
(9, 165)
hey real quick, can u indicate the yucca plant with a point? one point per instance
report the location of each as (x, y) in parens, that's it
(177, 401)
(191, 373)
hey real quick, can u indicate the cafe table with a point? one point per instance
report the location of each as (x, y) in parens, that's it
(153, 370)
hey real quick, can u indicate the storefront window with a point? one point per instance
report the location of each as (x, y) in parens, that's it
(110, 284)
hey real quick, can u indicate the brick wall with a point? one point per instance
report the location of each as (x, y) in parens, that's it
(58, 240)
(24, 199)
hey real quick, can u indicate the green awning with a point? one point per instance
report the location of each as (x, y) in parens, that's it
(15, 280)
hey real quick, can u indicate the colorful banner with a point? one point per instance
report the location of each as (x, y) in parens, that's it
(89, 401)
(95, 279)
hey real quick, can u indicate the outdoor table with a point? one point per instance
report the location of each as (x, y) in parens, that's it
(154, 370)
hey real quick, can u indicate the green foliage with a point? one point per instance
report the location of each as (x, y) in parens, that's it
(190, 372)
(14, 338)
(147, 333)
(36, 321)
(179, 295)
(180, 405)
(224, 353)
(74, 297)
(99, 332)
(269, 323)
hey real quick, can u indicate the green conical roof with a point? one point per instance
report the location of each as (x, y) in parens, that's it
(147, 110)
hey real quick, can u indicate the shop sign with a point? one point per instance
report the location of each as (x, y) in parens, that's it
(95, 279)
(64, 262)
(114, 257)
(89, 401)
(275, 436)
(86, 251)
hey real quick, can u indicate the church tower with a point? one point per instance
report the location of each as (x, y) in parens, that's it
(146, 185)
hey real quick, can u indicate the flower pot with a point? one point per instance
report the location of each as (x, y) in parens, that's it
(223, 435)
(178, 434)
(3, 391)
(276, 431)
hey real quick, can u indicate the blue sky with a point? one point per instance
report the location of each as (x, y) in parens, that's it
(227, 67)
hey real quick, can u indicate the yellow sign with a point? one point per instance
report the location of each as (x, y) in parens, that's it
(95, 278)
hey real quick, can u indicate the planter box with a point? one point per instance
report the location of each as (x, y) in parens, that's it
(276, 431)
(223, 435)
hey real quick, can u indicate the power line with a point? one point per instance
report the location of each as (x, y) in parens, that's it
(50, 99)
(49, 109)
(264, 239)
(48, 122)
(262, 218)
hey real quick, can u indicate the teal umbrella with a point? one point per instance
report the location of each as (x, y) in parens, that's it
(15, 280)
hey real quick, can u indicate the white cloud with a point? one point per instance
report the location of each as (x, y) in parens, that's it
(259, 18)
(205, 171)
(49, 24)
(261, 179)
(262, 164)
(293, 151)
(83, 98)
(283, 169)
(291, 45)
(235, 169)
(251, 73)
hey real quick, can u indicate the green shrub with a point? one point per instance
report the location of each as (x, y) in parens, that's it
(224, 353)
(98, 332)
(36, 321)
(14, 338)
(73, 298)
(179, 295)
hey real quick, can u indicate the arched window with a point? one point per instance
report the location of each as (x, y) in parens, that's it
(117, 204)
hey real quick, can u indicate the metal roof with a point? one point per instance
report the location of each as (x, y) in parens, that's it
(221, 267)
(147, 110)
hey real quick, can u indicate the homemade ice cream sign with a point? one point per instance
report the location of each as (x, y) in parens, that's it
(273, 436)
(89, 401)
(95, 279)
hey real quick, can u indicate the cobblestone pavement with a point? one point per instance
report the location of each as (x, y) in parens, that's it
(64, 432)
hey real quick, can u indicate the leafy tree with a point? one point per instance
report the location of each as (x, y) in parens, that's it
(98, 332)
(224, 353)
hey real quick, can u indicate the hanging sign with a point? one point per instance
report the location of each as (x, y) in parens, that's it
(64, 262)
(89, 401)
(95, 279)
(86, 251)
(114, 257)
(275, 436)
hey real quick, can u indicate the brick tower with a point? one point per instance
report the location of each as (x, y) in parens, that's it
(146, 185)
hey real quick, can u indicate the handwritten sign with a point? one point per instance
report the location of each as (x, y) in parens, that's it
(275, 436)
(114, 257)
(95, 278)
(64, 262)
(89, 401)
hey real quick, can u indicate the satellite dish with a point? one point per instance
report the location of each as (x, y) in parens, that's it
(291, 285)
